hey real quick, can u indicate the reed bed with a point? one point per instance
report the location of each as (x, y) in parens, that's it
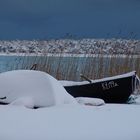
(70, 67)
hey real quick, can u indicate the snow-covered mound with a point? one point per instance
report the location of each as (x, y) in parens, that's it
(137, 100)
(32, 89)
(90, 101)
(134, 99)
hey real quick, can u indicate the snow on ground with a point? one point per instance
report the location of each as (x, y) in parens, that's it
(60, 117)
(70, 122)
(137, 100)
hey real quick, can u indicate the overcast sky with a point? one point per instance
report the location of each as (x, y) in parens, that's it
(45, 19)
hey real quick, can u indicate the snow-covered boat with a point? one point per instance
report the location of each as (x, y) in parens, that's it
(32, 89)
(116, 89)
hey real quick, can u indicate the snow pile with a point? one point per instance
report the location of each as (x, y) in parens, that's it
(137, 100)
(32, 88)
(90, 101)
(134, 99)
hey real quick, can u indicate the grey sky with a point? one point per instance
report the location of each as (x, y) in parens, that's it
(44, 19)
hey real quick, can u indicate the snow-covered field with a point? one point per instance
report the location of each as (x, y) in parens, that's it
(70, 122)
(60, 116)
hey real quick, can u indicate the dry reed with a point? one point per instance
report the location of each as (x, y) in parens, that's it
(70, 68)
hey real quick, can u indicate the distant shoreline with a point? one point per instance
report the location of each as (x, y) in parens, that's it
(69, 55)
(70, 47)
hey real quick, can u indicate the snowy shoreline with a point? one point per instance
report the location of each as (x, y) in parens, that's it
(71, 55)
(71, 46)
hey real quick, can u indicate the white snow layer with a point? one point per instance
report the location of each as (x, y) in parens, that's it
(137, 100)
(90, 101)
(71, 83)
(32, 88)
(24, 101)
(61, 122)
(70, 122)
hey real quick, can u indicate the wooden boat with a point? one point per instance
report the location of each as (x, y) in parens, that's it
(116, 89)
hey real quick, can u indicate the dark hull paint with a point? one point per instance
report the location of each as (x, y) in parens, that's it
(111, 91)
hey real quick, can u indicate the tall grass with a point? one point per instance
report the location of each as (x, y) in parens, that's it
(70, 68)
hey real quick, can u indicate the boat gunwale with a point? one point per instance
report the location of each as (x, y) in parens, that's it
(74, 83)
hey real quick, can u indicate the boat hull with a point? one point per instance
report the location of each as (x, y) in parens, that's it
(115, 90)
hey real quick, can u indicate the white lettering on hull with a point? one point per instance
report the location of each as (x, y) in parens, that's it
(109, 85)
